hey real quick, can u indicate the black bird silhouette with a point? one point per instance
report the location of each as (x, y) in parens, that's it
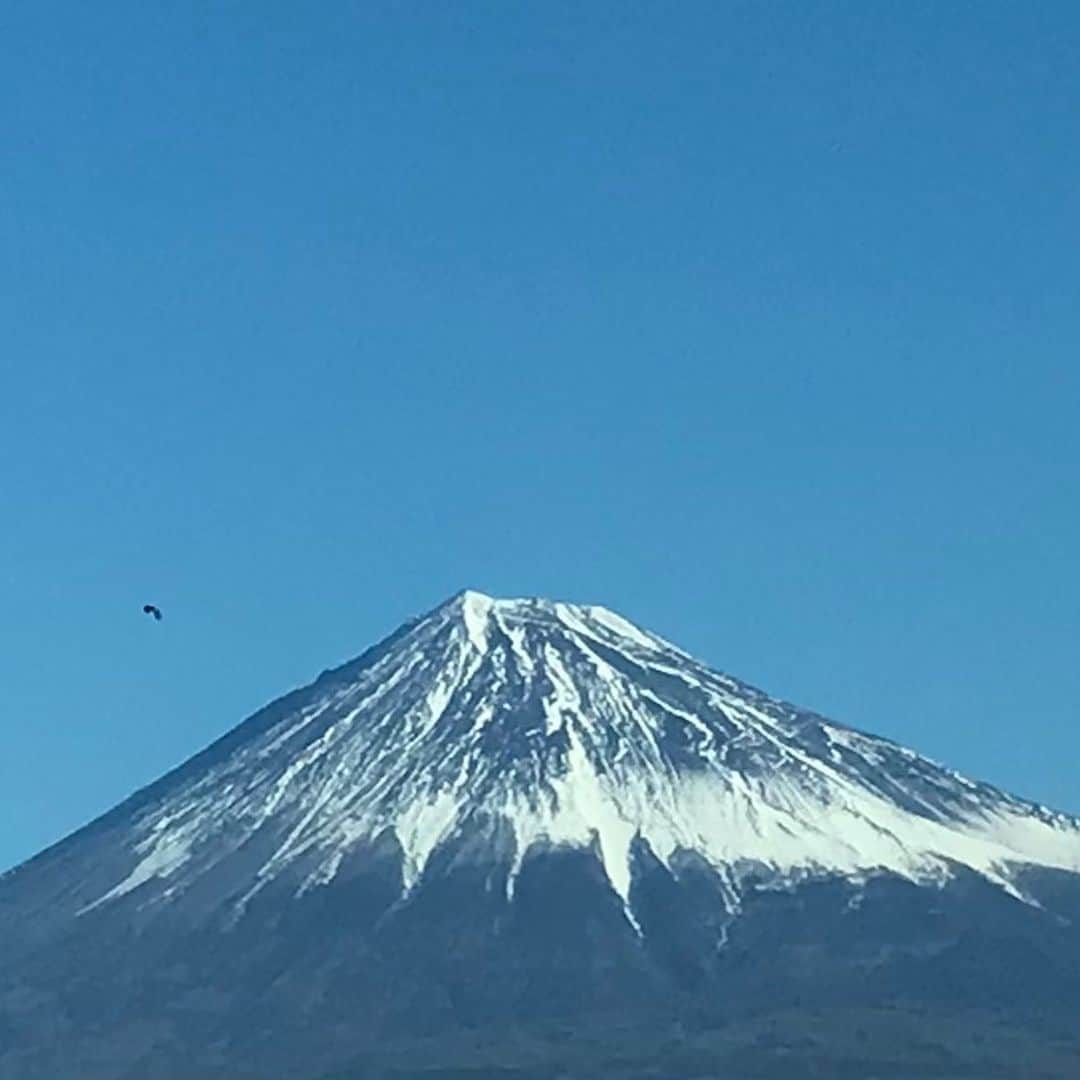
(149, 609)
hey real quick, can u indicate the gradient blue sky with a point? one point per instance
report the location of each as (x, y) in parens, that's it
(758, 322)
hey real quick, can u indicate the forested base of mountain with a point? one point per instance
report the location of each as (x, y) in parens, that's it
(887, 980)
(860, 1044)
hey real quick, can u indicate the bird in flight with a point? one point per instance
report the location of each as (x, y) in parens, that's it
(149, 609)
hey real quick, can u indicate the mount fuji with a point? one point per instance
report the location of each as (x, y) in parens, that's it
(514, 818)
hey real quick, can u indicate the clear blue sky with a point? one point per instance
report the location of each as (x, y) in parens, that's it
(759, 323)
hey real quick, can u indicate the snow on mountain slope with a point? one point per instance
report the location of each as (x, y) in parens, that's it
(527, 722)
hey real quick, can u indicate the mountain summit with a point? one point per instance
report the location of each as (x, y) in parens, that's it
(488, 764)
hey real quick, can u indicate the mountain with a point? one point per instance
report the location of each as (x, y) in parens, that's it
(536, 828)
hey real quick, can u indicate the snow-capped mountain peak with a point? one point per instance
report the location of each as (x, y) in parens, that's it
(517, 813)
(528, 722)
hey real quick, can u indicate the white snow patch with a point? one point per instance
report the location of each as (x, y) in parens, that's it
(476, 611)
